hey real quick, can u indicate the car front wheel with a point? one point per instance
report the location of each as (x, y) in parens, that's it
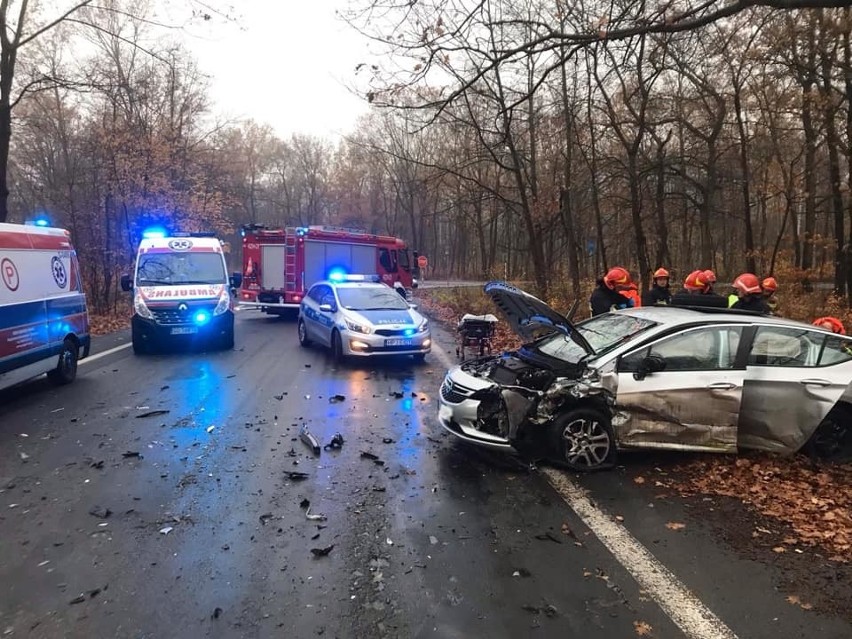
(583, 440)
(336, 348)
(832, 440)
(304, 341)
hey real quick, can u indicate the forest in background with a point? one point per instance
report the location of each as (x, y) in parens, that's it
(493, 147)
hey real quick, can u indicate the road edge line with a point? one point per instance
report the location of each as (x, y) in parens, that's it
(679, 603)
(97, 356)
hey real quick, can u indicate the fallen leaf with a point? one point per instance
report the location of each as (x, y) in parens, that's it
(643, 628)
(619, 518)
(639, 480)
(779, 549)
(674, 525)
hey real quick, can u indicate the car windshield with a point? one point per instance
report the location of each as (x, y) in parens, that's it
(603, 333)
(163, 269)
(374, 298)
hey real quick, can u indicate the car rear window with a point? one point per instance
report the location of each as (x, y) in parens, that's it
(835, 350)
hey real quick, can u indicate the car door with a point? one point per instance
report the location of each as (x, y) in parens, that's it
(694, 402)
(310, 311)
(325, 318)
(795, 376)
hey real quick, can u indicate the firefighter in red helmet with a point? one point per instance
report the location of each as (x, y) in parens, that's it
(748, 290)
(659, 294)
(698, 291)
(607, 294)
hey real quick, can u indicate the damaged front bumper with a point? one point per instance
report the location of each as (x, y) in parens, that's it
(458, 411)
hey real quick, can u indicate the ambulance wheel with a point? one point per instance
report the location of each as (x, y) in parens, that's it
(139, 345)
(336, 348)
(304, 340)
(227, 342)
(66, 368)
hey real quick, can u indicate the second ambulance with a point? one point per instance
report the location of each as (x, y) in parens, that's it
(181, 291)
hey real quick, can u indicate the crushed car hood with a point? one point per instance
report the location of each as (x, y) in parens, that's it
(529, 317)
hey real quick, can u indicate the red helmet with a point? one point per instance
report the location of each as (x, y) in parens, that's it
(747, 283)
(769, 284)
(660, 272)
(831, 323)
(691, 282)
(617, 277)
(708, 276)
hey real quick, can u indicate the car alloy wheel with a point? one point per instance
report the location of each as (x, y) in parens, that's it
(585, 440)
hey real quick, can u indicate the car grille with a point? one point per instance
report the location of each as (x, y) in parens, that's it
(392, 332)
(175, 315)
(454, 393)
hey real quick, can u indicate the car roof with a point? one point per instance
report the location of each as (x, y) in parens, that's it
(673, 315)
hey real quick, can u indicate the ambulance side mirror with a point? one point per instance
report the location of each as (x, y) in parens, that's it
(126, 283)
(236, 280)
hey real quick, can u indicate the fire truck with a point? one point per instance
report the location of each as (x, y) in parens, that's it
(280, 265)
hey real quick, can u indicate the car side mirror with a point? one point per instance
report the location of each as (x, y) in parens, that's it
(236, 280)
(412, 306)
(649, 365)
(326, 308)
(126, 283)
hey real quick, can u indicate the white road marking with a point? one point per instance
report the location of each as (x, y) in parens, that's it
(688, 613)
(97, 356)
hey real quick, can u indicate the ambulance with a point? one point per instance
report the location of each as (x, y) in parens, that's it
(44, 323)
(181, 292)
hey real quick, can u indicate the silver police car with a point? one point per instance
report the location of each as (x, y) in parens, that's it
(355, 316)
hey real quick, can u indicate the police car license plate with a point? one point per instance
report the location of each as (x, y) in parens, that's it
(399, 342)
(184, 330)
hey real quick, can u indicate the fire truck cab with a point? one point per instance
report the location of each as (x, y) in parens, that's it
(280, 265)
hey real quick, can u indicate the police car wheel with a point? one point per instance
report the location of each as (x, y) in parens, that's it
(66, 368)
(304, 341)
(336, 347)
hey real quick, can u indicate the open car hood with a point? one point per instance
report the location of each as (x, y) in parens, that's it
(529, 317)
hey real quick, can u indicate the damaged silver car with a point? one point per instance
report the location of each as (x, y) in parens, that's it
(654, 377)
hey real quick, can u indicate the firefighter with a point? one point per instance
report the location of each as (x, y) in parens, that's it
(698, 291)
(831, 323)
(750, 294)
(660, 294)
(770, 286)
(607, 297)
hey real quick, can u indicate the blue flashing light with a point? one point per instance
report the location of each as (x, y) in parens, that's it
(42, 221)
(201, 317)
(409, 332)
(337, 275)
(302, 231)
(154, 232)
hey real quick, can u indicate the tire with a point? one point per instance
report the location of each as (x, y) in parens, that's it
(227, 340)
(337, 348)
(583, 440)
(832, 440)
(66, 368)
(140, 347)
(304, 340)
(419, 358)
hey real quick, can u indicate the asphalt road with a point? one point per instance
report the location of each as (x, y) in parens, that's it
(186, 523)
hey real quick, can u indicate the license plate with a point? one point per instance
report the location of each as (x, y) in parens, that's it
(399, 342)
(184, 330)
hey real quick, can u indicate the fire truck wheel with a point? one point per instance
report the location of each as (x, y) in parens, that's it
(336, 347)
(66, 368)
(304, 342)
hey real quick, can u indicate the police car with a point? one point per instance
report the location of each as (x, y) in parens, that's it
(358, 316)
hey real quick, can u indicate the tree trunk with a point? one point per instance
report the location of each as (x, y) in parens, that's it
(7, 71)
(751, 267)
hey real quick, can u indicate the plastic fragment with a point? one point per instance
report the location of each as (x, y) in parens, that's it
(309, 440)
(322, 552)
(153, 413)
(166, 530)
(336, 442)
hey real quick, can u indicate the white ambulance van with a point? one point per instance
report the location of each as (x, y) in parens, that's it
(181, 292)
(44, 323)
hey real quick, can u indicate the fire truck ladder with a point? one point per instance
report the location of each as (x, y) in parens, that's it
(290, 264)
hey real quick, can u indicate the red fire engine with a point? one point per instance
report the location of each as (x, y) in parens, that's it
(280, 265)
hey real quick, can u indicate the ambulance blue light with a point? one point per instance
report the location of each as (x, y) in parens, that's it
(154, 232)
(337, 275)
(201, 317)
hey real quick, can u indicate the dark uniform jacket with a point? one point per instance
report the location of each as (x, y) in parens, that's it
(604, 300)
(754, 302)
(708, 300)
(657, 296)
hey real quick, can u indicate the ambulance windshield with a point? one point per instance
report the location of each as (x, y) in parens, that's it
(165, 269)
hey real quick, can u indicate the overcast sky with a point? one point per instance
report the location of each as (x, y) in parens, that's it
(285, 63)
